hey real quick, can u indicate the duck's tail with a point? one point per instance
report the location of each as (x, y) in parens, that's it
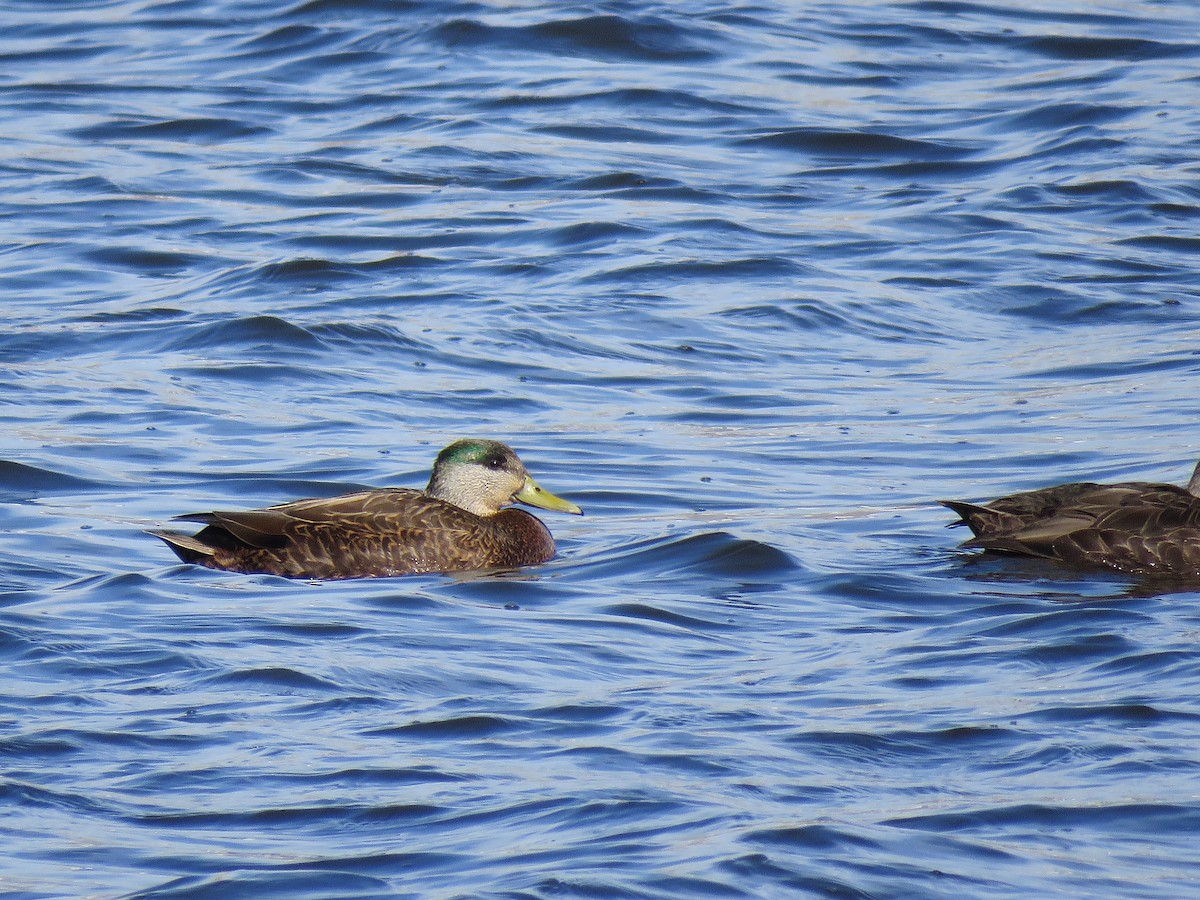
(982, 520)
(186, 546)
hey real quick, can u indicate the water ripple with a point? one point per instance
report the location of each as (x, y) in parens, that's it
(755, 285)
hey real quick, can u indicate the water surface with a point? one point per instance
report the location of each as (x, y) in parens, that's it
(755, 284)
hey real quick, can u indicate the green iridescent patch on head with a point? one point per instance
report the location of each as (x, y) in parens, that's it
(476, 451)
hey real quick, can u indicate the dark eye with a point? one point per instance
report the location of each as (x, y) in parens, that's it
(495, 461)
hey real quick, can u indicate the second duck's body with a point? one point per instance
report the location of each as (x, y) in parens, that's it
(1139, 527)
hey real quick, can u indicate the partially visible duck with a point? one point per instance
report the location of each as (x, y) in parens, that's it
(459, 522)
(1139, 527)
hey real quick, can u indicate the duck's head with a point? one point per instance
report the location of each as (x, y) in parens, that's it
(483, 476)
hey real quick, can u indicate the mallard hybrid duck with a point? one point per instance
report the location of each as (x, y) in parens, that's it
(1138, 527)
(457, 523)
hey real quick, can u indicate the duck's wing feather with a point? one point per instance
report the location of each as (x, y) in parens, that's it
(361, 512)
(1067, 506)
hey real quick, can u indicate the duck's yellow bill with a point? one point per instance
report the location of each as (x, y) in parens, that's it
(536, 495)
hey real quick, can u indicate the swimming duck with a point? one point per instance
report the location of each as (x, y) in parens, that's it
(1138, 527)
(457, 523)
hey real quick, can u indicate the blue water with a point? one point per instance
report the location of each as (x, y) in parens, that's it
(755, 284)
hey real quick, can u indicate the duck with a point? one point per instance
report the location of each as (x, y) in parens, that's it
(1136, 527)
(463, 520)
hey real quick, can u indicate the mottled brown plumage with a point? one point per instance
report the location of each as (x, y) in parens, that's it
(1139, 527)
(456, 524)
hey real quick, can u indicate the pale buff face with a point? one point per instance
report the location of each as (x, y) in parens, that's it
(483, 476)
(477, 475)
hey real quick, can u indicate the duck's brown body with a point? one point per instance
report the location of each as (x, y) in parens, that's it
(462, 521)
(363, 535)
(1138, 527)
